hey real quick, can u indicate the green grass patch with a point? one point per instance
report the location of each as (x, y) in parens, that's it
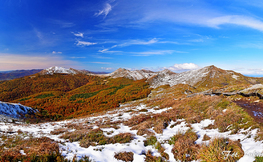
(45, 95)
(150, 141)
(24, 99)
(91, 94)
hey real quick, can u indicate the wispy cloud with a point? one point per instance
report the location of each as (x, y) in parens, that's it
(107, 50)
(17, 61)
(198, 13)
(83, 43)
(137, 42)
(236, 20)
(129, 43)
(105, 11)
(79, 34)
(55, 52)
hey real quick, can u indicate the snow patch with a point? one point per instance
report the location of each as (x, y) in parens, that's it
(60, 70)
(15, 110)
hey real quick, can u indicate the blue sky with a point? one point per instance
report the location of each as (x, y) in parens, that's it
(104, 35)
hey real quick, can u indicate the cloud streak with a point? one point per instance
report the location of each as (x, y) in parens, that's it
(236, 20)
(129, 43)
(105, 11)
(79, 34)
(83, 43)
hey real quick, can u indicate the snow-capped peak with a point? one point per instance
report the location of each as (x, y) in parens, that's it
(55, 69)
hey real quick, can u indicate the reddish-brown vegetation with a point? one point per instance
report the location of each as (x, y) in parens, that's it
(67, 96)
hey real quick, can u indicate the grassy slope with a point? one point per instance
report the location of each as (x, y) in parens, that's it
(227, 116)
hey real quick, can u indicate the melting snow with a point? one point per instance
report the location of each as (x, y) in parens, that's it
(105, 153)
(14, 110)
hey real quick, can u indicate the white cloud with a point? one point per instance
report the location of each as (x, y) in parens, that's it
(18, 61)
(236, 20)
(129, 43)
(106, 50)
(191, 12)
(105, 11)
(183, 67)
(83, 43)
(54, 52)
(79, 34)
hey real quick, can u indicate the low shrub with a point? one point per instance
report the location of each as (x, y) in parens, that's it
(124, 156)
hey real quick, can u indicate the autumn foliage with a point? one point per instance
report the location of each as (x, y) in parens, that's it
(68, 96)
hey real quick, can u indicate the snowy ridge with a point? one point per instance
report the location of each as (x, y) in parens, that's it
(15, 110)
(190, 77)
(135, 75)
(55, 69)
(167, 77)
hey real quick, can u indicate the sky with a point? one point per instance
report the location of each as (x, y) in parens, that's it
(104, 35)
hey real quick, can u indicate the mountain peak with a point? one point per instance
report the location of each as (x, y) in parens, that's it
(57, 70)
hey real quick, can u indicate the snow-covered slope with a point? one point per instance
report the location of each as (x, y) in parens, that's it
(15, 110)
(135, 75)
(188, 77)
(55, 69)
(207, 76)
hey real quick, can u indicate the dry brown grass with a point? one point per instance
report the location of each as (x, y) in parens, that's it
(124, 156)
(135, 120)
(96, 137)
(74, 135)
(185, 148)
(142, 132)
(221, 149)
(151, 158)
(206, 138)
(41, 147)
(59, 131)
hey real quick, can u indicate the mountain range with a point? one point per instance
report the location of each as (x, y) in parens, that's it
(74, 88)
(127, 115)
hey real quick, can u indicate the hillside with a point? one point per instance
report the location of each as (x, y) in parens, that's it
(208, 114)
(166, 126)
(60, 93)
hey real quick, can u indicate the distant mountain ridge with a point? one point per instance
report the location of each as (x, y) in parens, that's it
(208, 76)
(61, 70)
(9, 75)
